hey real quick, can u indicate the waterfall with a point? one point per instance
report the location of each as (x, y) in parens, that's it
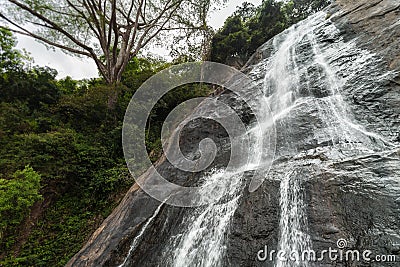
(293, 220)
(138, 238)
(282, 85)
(297, 60)
(202, 244)
(301, 78)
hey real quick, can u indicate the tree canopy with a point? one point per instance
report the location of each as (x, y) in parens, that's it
(249, 27)
(111, 32)
(10, 58)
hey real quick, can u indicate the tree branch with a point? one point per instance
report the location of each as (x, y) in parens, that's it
(82, 14)
(25, 32)
(53, 24)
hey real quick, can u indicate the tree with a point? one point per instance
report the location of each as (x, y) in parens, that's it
(231, 41)
(249, 27)
(111, 32)
(246, 11)
(10, 58)
(246, 30)
(301, 9)
(269, 21)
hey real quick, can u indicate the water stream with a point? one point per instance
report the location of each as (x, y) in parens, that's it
(299, 75)
(298, 60)
(138, 238)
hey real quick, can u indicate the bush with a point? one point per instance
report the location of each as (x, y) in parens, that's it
(17, 195)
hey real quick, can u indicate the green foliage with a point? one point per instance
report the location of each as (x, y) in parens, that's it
(65, 226)
(246, 11)
(36, 87)
(231, 41)
(63, 156)
(10, 58)
(249, 27)
(70, 132)
(246, 30)
(139, 70)
(17, 195)
(68, 86)
(298, 10)
(108, 181)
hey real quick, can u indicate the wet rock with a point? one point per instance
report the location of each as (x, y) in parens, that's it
(349, 177)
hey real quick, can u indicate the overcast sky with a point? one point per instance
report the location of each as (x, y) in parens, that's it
(67, 65)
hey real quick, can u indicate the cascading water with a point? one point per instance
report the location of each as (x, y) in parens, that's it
(293, 221)
(301, 79)
(137, 239)
(286, 83)
(202, 243)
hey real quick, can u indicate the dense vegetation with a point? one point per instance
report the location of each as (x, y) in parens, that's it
(249, 27)
(62, 169)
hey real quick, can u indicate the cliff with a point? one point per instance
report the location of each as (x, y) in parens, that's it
(335, 86)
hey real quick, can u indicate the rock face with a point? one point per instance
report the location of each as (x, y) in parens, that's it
(333, 85)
